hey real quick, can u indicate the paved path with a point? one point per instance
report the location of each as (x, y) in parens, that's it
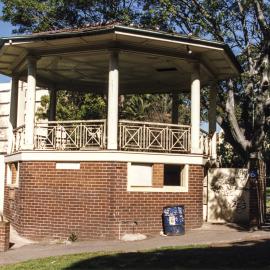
(208, 234)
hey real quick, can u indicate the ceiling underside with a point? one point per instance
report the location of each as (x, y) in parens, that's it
(145, 66)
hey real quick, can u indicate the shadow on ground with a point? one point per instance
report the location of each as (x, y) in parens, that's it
(239, 255)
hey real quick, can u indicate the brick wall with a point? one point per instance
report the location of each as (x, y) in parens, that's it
(92, 202)
(4, 235)
(158, 174)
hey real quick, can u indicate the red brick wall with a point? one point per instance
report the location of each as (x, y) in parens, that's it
(92, 202)
(4, 235)
(158, 175)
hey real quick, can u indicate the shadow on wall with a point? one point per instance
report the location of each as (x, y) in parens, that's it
(239, 255)
(228, 195)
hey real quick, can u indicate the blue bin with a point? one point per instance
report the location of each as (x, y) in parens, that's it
(173, 219)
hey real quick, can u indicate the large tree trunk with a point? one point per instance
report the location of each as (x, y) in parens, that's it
(257, 178)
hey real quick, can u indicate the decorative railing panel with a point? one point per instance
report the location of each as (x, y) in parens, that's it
(70, 135)
(205, 144)
(91, 135)
(153, 137)
(18, 138)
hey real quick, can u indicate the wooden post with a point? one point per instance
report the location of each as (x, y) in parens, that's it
(30, 104)
(195, 109)
(113, 92)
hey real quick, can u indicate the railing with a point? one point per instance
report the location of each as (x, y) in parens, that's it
(18, 138)
(91, 135)
(205, 144)
(153, 137)
(70, 135)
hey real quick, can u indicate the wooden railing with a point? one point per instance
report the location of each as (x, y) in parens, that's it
(153, 137)
(91, 135)
(70, 135)
(18, 138)
(205, 144)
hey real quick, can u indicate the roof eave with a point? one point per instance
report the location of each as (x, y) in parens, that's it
(126, 29)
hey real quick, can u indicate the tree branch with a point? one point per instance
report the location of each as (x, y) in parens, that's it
(261, 18)
(235, 130)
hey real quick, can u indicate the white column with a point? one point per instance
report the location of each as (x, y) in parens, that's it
(113, 92)
(52, 107)
(13, 102)
(30, 104)
(175, 108)
(195, 109)
(212, 119)
(21, 104)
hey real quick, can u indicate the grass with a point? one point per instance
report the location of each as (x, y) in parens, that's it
(243, 255)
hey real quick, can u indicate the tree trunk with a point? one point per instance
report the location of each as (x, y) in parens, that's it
(257, 172)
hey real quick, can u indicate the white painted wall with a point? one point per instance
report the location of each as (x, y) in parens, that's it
(228, 195)
(4, 124)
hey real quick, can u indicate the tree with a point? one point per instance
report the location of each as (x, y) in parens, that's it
(74, 105)
(244, 103)
(36, 16)
(155, 108)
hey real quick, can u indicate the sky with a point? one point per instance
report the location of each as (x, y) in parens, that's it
(5, 30)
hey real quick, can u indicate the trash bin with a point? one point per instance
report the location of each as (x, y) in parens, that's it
(173, 219)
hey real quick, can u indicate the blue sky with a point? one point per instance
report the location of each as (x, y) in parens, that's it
(5, 30)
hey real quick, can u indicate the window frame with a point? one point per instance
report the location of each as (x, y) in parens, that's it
(183, 187)
(9, 175)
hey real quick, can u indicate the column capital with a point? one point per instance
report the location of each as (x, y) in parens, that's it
(195, 67)
(31, 59)
(14, 76)
(114, 52)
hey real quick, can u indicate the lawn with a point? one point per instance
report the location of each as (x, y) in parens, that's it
(247, 255)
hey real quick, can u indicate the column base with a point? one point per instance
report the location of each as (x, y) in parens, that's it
(196, 151)
(27, 147)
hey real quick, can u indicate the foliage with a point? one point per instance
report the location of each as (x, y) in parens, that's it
(228, 157)
(42, 110)
(73, 237)
(74, 105)
(36, 16)
(156, 108)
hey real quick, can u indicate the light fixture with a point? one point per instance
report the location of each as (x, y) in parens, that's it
(189, 51)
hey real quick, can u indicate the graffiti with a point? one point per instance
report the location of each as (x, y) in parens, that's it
(239, 205)
(228, 195)
(223, 185)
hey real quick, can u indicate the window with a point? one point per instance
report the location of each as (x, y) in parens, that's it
(140, 175)
(157, 177)
(175, 175)
(13, 174)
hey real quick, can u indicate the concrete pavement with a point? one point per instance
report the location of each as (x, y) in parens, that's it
(209, 234)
